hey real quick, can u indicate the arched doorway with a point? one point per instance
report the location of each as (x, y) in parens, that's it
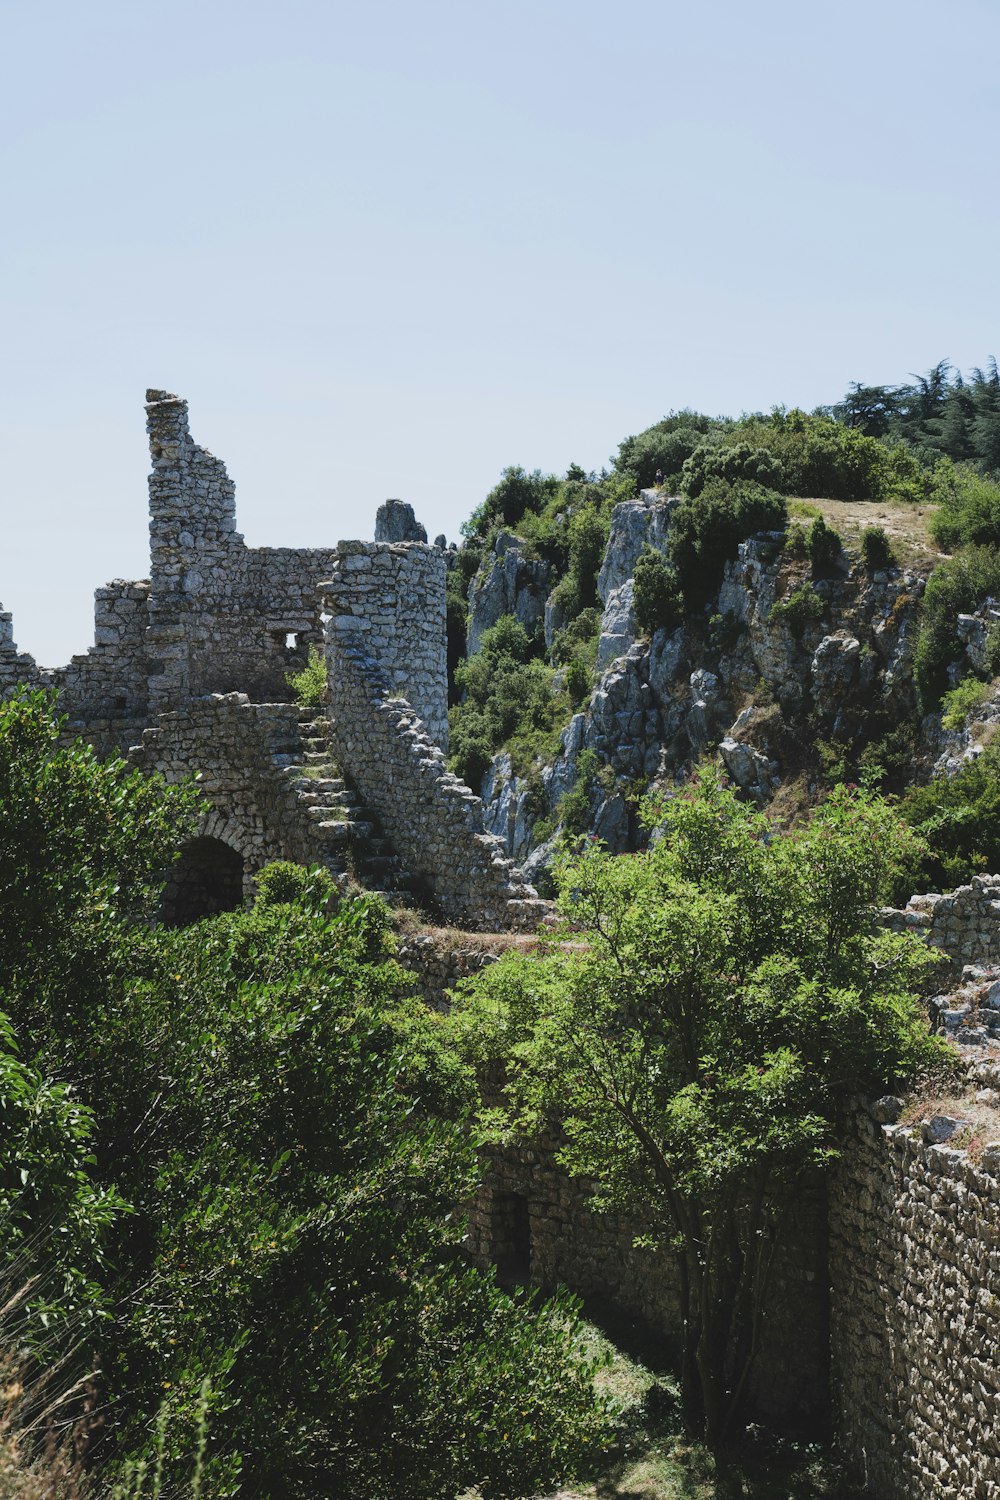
(207, 878)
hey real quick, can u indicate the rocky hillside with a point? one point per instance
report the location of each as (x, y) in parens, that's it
(791, 676)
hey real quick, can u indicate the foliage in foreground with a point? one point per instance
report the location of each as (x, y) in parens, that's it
(731, 991)
(290, 1139)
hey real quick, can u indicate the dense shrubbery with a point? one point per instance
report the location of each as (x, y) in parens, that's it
(957, 585)
(663, 448)
(733, 463)
(507, 701)
(292, 1142)
(970, 507)
(958, 819)
(706, 531)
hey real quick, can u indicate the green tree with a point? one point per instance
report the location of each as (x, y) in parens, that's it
(730, 991)
(291, 1136)
(84, 848)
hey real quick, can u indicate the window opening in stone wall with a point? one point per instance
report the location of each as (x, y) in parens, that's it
(291, 640)
(512, 1238)
(207, 878)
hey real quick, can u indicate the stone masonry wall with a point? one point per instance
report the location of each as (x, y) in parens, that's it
(964, 923)
(223, 617)
(16, 667)
(915, 1273)
(390, 599)
(433, 819)
(237, 748)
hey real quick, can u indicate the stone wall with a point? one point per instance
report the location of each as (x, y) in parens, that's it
(16, 667)
(390, 600)
(433, 819)
(964, 924)
(915, 1274)
(223, 617)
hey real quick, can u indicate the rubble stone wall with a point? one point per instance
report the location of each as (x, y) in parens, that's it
(433, 819)
(964, 924)
(390, 599)
(915, 1275)
(237, 749)
(223, 617)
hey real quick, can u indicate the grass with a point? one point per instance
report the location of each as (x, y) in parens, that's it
(653, 1460)
(905, 524)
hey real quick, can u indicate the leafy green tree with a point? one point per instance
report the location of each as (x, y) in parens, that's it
(728, 993)
(733, 463)
(957, 586)
(84, 848)
(290, 1134)
(664, 447)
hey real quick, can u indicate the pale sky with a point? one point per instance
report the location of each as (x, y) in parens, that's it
(389, 249)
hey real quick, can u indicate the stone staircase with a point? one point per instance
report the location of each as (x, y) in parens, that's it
(345, 835)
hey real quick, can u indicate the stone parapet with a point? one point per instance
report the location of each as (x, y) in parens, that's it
(963, 924)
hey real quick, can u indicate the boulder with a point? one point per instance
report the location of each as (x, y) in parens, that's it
(395, 522)
(835, 665)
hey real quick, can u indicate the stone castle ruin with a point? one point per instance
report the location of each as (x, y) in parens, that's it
(882, 1311)
(188, 672)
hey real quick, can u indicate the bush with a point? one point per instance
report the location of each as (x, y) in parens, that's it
(957, 586)
(876, 553)
(969, 503)
(706, 531)
(663, 447)
(656, 597)
(734, 463)
(825, 548)
(309, 685)
(507, 697)
(961, 701)
(820, 457)
(802, 608)
(958, 819)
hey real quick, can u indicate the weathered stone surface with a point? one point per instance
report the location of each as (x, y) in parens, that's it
(634, 523)
(618, 627)
(509, 585)
(395, 522)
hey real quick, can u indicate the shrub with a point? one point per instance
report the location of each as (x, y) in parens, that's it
(825, 547)
(957, 586)
(876, 553)
(802, 608)
(656, 597)
(961, 701)
(577, 680)
(969, 503)
(309, 685)
(663, 447)
(734, 463)
(507, 697)
(706, 531)
(958, 819)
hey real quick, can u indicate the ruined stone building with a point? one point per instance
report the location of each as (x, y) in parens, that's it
(187, 675)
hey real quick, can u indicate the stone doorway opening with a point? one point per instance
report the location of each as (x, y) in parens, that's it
(207, 878)
(512, 1238)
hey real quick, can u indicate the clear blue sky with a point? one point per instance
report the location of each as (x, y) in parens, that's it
(388, 249)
